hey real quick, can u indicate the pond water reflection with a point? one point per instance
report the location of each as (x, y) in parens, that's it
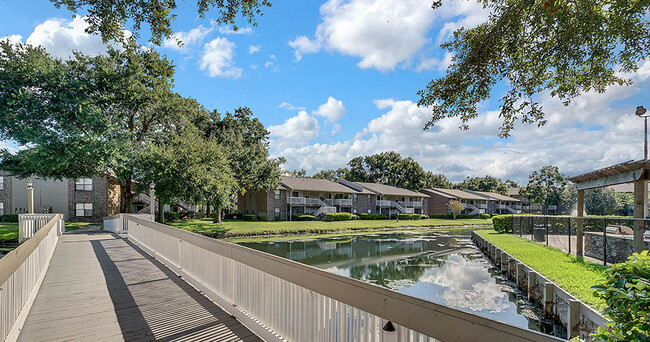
(437, 267)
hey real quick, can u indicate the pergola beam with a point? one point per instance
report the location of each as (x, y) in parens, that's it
(611, 179)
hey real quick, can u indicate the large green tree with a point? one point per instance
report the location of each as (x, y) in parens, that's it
(108, 18)
(600, 201)
(387, 168)
(487, 184)
(435, 180)
(563, 48)
(546, 187)
(332, 174)
(85, 116)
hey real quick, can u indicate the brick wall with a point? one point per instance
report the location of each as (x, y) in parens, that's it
(362, 204)
(98, 197)
(272, 203)
(436, 204)
(5, 193)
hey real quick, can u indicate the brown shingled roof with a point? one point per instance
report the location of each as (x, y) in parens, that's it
(390, 190)
(314, 184)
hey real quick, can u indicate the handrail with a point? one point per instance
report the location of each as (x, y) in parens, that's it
(299, 302)
(29, 224)
(21, 269)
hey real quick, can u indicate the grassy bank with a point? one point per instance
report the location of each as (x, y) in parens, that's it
(571, 273)
(8, 230)
(231, 228)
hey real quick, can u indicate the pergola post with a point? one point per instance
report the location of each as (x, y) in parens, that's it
(580, 214)
(639, 212)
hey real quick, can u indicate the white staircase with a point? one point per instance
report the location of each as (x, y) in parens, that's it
(474, 210)
(399, 207)
(325, 208)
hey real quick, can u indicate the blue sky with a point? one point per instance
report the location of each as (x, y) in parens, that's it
(337, 79)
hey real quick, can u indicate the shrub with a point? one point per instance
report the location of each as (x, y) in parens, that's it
(626, 290)
(485, 216)
(172, 216)
(232, 216)
(303, 217)
(502, 223)
(262, 216)
(249, 217)
(366, 216)
(340, 217)
(9, 218)
(424, 217)
(439, 216)
(409, 216)
(455, 207)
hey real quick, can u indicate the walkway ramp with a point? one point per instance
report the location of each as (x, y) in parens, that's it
(100, 287)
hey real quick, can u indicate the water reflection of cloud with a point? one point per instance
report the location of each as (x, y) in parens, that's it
(467, 285)
(340, 271)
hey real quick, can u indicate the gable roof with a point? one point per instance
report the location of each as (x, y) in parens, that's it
(314, 184)
(494, 196)
(383, 189)
(439, 193)
(459, 194)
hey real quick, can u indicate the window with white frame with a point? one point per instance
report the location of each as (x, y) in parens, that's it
(369, 198)
(83, 209)
(84, 184)
(2, 208)
(277, 212)
(277, 195)
(369, 211)
(2, 183)
(355, 211)
(354, 197)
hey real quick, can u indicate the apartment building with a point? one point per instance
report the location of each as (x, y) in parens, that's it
(296, 195)
(475, 202)
(81, 200)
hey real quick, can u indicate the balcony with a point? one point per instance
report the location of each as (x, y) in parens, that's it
(342, 202)
(411, 204)
(310, 202)
(384, 203)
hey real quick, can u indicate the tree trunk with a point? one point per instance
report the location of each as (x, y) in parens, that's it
(126, 196)
(207, 209)
(217, 215)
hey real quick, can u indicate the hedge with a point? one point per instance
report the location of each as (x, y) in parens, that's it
(502, 223)
(9, 218)
(410, 216)
(366, 216)
(249, 217)
(262, 216)
(172, 216)
(485, 216)
(340, 217)
(303, 217)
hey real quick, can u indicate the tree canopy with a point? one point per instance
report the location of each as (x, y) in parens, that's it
(387, 168)
(563, 48)
(487, 184)
(108, 18)
(546, 186)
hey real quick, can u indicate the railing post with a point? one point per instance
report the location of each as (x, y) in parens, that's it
(604, 241)
(569, 225)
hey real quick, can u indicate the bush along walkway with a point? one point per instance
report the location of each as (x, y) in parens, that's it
(560, 282)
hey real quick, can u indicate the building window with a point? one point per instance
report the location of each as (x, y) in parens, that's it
(355, 211)
(355, 197)
(84, 209)
(2, 208)
(369, 198)
(277, 213)
(369, 211)
(2, 183)
(277, 195)
(84, 184)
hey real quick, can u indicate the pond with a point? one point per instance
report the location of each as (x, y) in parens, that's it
(441, 267)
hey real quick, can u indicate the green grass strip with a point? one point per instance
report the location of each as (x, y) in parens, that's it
(573, 274)
(232, 228)
(8, 230)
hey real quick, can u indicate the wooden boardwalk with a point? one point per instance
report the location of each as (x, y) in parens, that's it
(100, 287)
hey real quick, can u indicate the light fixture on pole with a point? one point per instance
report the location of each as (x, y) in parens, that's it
(641, 112)
(152, 200)
(30, 196)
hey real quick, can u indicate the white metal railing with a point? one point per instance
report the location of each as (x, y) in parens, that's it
(117, 223)
(398, 206)
(280, 299)
(303, 201)
(325, 210)
(342, 202)
(21, 271)
(481, 205)
(411, 204)
(29, 224)
(384, 203)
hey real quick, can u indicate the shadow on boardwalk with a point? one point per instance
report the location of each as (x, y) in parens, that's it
(102, 287)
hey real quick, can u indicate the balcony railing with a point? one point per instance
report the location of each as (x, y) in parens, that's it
(384, 203)
(315, 202)
(342, 202)
(411, 204)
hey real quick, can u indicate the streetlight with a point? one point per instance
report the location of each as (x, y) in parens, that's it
(640, 112)
(152, 202)
(30, 196)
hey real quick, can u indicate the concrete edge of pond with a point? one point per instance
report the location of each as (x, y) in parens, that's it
(579, 318)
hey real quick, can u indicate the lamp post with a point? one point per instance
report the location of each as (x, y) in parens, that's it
(30, 196)
(152, 200)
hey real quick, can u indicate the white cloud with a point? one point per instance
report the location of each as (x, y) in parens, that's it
(188, 39)
(254, 49)
(383, 33)
(254, 66)
(289, 106)
(229, 30)
(13, 39)
(61, 37)
(296, 130)
(268, 64)
(218, 59)
(437, 64)
(593, 132)
(336, 129)
(333, 110)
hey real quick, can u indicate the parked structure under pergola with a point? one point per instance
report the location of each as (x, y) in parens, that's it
(637, 172)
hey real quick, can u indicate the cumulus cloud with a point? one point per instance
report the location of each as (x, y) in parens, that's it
(333, 110)
(241, 30)
(218, 59)
(187, 39)
(61, 37)
(594, 131)
(13, 39)
(289, 106)
(296, 130)
(383, 33)
(254, 49)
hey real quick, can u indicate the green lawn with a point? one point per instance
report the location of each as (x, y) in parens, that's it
(571, 273)
(77, 225)
(8, 230)
(232, 228)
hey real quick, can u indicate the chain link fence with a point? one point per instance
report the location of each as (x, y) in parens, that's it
(606, 239)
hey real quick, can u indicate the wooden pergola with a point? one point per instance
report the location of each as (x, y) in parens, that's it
(637, 172)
